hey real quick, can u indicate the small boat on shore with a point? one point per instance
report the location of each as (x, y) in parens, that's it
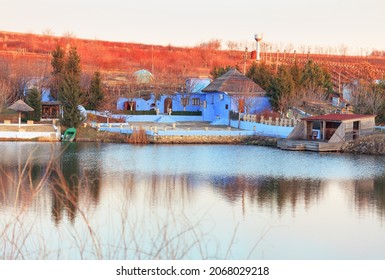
(69, 135)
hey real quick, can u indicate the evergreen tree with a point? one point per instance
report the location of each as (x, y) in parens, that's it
(219, 71)
(282, 94)
(316, 82)
(34, 100)
(261, 74)
(57, 63)
(58, 60)
(96, 94)
(296, 74)
(72, 64)
(70, 90)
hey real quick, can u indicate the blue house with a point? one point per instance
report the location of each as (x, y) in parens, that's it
(146, 103)
(192, 100)
(233, 92)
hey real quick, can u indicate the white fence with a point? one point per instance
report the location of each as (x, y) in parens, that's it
(270, 120)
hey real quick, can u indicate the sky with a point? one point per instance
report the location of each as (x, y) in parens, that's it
(357, 24)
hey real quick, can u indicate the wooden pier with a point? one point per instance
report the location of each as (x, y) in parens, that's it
(308, 145)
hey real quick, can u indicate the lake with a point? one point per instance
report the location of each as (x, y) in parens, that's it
(119, 201)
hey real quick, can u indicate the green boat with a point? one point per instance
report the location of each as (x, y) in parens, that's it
(69, 135)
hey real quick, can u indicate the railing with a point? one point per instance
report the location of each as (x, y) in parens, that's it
(270, 120)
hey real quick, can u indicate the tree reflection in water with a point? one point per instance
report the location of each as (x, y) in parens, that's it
(273, 192)
(144, 210)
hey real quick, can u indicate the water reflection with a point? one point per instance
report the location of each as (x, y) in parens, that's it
(76, 182)
(275, 192)
(369, 195)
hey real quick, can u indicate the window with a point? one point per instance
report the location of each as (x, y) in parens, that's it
(185, 101)
(196, 101)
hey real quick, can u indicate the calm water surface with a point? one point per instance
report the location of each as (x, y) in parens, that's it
(111, 201)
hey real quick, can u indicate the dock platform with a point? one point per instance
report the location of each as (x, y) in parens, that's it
(309, 145)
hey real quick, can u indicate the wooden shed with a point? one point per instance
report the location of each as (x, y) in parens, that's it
(327, 132)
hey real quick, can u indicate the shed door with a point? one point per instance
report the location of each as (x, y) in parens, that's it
(356, 130)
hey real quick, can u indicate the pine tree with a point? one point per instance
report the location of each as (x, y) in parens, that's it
(57, 63)
(316, 81)
(282, 93)
(96, 94)
(261, 74)
(34, 100)
(70, 90)
(219, 71)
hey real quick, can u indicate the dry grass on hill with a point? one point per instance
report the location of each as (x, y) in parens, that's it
(118, 60)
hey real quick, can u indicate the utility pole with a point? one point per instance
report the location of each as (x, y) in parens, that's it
(244, 61)
(152, 60)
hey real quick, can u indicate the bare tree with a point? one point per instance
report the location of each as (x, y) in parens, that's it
(207, 50)
(368, 98)
(233, 48)
(5, 93)
(48, 32)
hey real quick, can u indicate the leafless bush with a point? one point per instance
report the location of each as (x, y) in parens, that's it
(138, 136)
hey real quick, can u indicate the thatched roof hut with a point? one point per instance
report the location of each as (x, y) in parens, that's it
(234, 83)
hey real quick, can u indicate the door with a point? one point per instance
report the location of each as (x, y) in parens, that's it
(167, 104)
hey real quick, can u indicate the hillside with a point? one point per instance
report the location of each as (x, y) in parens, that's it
(30, 54)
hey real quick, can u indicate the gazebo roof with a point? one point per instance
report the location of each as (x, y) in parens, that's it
(233, 82)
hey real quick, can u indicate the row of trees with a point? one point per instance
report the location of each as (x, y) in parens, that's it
(66, 86)
(20, 79)
(292, 85)
(295, 86)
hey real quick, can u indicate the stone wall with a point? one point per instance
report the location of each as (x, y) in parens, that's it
(182, 139)
(374, 145)
(248, 140)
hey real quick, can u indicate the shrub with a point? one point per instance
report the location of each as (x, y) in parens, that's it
(143, 112)
(138, 136)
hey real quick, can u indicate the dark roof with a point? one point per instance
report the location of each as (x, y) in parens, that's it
(51, 103)
(338, 117)
(233, 82)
